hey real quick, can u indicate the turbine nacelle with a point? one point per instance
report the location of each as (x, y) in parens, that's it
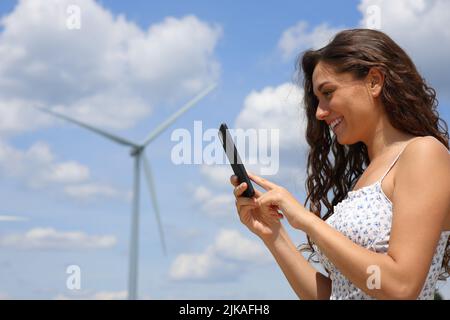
(136, 151)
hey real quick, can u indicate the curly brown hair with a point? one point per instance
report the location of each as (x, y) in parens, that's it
(410, 105)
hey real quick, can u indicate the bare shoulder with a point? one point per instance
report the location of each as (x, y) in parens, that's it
(424, 154)
(424, 171)
(424, 159)
(422, 150)
(425, 163)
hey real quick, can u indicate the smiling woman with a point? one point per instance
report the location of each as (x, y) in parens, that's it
(373, 79)
(387, 238)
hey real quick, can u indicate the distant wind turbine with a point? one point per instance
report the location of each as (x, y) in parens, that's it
(137, 151)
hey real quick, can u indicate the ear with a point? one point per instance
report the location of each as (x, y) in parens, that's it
(375, 81)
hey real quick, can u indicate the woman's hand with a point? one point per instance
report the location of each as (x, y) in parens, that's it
(267, 227)
(278, 199)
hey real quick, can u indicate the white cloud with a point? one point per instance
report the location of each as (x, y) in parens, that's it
(68, 172)
(49, 238)
(40, 151)
(111, 295)
(201, 266)
(5, 218)
(12, 160)
(37, 166)
(225, 258)
(61, 297)
(299, 38)
(87, 295)
(214, 204)
(277, 108)
(4, 296)
(218, 174)
(428, 44)
(202, 193)
(17, 116)
(420, 27)
(109, 73)
(91, 190)
(231, 244)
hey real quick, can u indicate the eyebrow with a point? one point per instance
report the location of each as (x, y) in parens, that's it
(321, 85)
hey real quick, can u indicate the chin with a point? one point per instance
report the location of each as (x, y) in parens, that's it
(342, 141)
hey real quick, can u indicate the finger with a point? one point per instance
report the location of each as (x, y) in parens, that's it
(244, 211)
(234, 180)
(271, 213)
(257, 193)
(266, 184)
(244, 201)
(267, 199)
(240, 189)
(276, 215)
(275, 212)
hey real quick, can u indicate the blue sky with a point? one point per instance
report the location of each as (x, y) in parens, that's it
(68, 190)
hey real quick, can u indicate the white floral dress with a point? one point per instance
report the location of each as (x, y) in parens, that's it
(365, 217)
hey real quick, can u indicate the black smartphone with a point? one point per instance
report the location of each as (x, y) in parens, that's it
(235, 160)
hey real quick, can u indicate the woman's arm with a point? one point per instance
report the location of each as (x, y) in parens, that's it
(305, 280)
(420, 203)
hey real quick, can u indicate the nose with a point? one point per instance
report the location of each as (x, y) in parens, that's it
(321, 113)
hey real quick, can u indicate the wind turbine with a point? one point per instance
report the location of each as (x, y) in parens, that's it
(137, 151)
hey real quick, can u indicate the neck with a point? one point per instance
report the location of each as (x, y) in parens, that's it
(384, 140)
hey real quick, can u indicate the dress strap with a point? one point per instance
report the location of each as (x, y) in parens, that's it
(396, 158)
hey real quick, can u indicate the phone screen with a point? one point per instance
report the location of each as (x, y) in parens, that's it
(235, 160)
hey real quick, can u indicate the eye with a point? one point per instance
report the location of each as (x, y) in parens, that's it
(327, 93)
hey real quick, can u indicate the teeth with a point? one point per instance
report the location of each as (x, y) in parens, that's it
(335, 122)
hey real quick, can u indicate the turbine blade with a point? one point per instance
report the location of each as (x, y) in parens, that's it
(90, 128)
(177, 114)
(151, 186)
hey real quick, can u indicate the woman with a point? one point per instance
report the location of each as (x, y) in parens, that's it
(387, 238)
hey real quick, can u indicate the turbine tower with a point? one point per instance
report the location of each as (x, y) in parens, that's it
(137, 152)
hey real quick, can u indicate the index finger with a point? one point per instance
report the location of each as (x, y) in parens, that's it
(266, 184)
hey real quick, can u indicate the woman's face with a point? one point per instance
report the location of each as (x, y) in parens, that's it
(342, 96)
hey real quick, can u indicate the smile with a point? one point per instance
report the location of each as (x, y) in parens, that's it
(335, 123)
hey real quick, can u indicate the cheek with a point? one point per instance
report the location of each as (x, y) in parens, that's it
(353, 107)
(352, 104)
(360, 97)
(342, 104)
